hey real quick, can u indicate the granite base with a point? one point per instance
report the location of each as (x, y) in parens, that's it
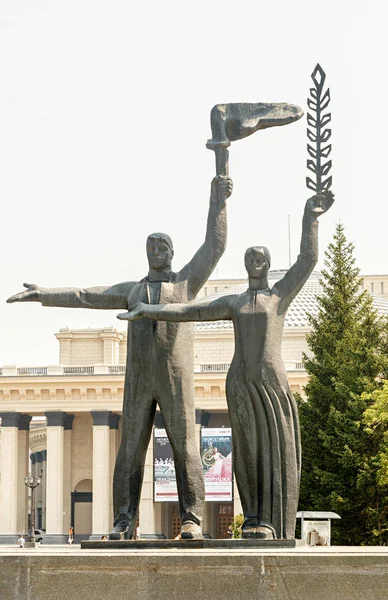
(55, 539)
(150, 544)
(193, 575)
(9, 538)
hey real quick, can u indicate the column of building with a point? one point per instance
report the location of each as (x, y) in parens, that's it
(113, 449)
(67, 462)
(157, 532)
(150, 512)
(34, 470)
(38, 463)
(55, 533)
(101, 473)
(23, 470)
(14, 462)
(65, 337)
(43, 488)
(39, 490)
(237, 508)
(111, 346)
(202, 420)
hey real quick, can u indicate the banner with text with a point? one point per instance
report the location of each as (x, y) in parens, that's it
(165, 489)
(216, 454)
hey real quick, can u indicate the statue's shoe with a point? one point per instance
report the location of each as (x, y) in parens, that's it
(123, 529)
(191, 531)
(265, 532)
(249, 527)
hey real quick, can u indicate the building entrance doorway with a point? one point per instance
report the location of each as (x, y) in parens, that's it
(81, 510)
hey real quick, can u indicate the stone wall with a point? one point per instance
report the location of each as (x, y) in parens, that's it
(194, 576)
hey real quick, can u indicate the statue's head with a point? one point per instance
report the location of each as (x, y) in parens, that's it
(159, 251)
(257, 261)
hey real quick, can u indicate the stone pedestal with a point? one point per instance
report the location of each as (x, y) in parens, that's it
(179, 545)
(195, 575)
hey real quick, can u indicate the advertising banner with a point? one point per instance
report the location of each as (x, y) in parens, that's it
(216, 454)
(165, 489)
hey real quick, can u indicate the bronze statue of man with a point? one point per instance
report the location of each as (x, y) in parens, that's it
(160, 366)
(262, 410)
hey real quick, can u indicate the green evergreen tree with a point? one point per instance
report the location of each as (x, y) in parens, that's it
(346, 343)
(374, 474)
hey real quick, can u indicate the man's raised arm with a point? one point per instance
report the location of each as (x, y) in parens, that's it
(295, 278)
(201, 266)
(109, 297)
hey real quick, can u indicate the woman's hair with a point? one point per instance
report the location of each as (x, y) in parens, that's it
(262, 250)
(163, 236)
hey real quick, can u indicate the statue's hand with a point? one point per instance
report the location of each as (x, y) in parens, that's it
(320, 203)
(137, 311)
(222, 187)
(31, 294)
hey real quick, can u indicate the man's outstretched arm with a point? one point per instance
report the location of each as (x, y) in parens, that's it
(201, 266)
(109, 297)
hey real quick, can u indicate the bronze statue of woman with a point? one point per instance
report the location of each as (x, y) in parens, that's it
(263, 412)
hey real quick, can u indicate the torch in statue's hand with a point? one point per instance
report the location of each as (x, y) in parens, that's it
(235, 121)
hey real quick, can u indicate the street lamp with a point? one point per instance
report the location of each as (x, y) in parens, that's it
(32, 482)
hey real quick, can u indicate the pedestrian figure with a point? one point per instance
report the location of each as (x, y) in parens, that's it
(71, 536)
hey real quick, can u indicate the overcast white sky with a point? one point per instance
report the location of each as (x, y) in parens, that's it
(104, 116)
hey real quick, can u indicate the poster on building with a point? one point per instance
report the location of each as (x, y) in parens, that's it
(165, 489)
(216, 454)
